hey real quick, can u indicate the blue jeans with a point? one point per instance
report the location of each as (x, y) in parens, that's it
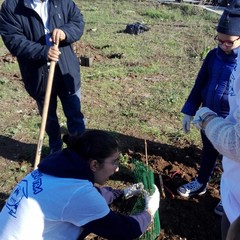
(208, 159)
(71, 105)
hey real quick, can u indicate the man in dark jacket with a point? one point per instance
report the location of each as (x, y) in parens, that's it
(40, 31)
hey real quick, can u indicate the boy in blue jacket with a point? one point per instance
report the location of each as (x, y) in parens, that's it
(211, 90)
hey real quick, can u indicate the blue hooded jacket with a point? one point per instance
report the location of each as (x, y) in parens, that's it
(212, 83)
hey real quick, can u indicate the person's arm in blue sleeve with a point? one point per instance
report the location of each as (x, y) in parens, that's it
(194, 99)
(74, 27)
(115, 226)
(13, 34)
(110, 194)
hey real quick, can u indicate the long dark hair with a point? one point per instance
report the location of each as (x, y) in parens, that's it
(92, 144)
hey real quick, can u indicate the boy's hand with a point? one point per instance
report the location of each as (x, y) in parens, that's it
(186, 122)
(202, 117)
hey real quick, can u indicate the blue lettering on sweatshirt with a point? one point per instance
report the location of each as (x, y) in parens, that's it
(20, 191)
(37, 183)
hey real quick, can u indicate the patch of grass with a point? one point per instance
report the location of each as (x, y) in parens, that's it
(172, 50)
(10, 68)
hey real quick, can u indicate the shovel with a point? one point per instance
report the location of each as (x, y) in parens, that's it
(45, 113)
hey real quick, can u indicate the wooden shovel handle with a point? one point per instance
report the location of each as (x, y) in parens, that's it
(45, 113)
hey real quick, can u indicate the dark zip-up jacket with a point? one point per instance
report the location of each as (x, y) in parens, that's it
(22, 31)
(212, 83)
(113, 226)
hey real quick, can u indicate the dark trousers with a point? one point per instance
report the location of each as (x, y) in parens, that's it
(208, 159)
(225, 224)
(71, 106)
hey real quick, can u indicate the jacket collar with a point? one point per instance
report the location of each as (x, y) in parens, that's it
(232, 57)
(27, 3)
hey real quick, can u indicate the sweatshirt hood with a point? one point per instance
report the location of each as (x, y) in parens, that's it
(66, 164)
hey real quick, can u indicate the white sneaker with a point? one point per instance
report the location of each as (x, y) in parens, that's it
(192, 188)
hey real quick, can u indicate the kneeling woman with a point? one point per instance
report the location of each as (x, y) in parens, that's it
(60, 201)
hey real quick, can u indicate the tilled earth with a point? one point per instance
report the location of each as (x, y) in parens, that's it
(180, 218)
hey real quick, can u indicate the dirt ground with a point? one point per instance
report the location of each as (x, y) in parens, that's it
(191, 219)
(182, 218)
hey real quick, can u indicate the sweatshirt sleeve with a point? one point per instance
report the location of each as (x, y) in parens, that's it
(74, 26)
(110, 194)
(115, 226)
(12, 31)
(194, 99)
(225, 137)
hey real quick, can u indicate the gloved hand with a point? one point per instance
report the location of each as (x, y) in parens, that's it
(201, 117)
(152, 201)
(135, 189)
(186, 122)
